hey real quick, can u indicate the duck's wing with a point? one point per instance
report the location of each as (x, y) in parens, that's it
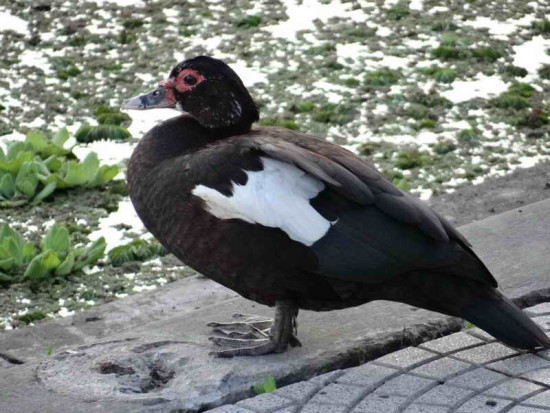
(358, 225)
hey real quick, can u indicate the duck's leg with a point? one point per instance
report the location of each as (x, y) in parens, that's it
(258, 336)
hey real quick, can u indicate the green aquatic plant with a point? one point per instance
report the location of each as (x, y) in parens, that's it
(522, 89)
(89, 133)
(31, 170)
(112, 126)
(249, 21)
(544, 72)
(137, 250)
(469, 137)
(440, 74)
(541, 26)
(382, 77)
(411, 158)
(54, 256)
(515, 71)
(486, 53)
(444, 26)
(511, 100)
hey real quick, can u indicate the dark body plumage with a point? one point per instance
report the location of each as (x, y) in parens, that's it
(381, 244)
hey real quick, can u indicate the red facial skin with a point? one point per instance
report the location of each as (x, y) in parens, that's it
(180, 84)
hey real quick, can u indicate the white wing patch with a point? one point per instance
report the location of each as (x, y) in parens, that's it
(277, 196)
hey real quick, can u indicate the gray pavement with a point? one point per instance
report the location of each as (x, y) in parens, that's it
(465, 372)
(150, 353)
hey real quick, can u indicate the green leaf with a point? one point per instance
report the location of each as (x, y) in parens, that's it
(13, 249)
(28, 252)
(67, 265)
(91, 253)
(42, 171)
(267, 386)
(7, 232)
(7, 186)
(44, 193)
(57, 239)
(105, 174)
(26, 179)
(42, 265)
(13, 165)
(90, 166)
(60, 137)
(5, 278)
(15, 148)
(37, 139)
(2, 154)
(83, 172)
(7, 264)
(53, 163)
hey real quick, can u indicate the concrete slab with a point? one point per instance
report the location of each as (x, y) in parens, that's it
(164, 365)
(473, 386)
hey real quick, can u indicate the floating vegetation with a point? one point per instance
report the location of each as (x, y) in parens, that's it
(515, 71)
(511, 100)
(333, 113)
(541, 26)
(33, 169)
(249, 21)
(54, 256)
(534, 119)
(469, 137)
(397, 12)
(382, 77)
(444, 147)
(488, 54)
(444, 26)
(441, 74)
(137, 250)
(110, 126)
(303, 107)
(411, 158)
(283, 123)
(544, 72)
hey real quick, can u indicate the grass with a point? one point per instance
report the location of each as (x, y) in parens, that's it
(332, 113)
(444, 26)
(283, 123)
(444, 147)
(541, 26)
(249, 22)
(544, 72)
(411, 158)
(397, 12)
(441, 74)
(137, 250)
(382, 77)
(514, 71)
(511, 100)
(469, 137)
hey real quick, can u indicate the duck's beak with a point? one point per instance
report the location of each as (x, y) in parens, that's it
(161, 97)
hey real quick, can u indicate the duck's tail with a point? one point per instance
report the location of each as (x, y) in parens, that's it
(505, 321)
(479, 303)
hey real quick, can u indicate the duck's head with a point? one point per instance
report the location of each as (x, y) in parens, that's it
(205, 88)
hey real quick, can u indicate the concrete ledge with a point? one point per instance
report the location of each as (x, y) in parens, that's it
(163, 365)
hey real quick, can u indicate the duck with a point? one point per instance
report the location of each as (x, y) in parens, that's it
(292, 221)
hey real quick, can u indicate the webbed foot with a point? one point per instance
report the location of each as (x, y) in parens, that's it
(252, 335)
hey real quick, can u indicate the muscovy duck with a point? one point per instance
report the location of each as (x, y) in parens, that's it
(292, 221)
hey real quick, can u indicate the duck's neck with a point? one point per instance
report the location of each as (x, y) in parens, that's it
(180, 135)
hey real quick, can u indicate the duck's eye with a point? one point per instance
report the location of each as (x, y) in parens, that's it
(190, 80)
(156, 93)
